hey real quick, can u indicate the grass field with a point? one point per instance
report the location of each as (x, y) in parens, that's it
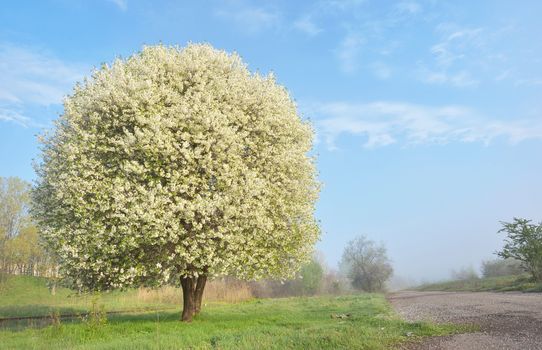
(289, 323)
(496, 284)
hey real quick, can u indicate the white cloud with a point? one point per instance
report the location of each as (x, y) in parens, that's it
(15, 117)
(503, 75)
(458, 79)
(249, 19)
(307, 25)
(381, 70)
(459, 52)
(349, 51)
(410, 7)
(384, 123)
(121, 4)
(528, 82)
(32, 78)
(457, 45)
(456, 55)
(341, 5)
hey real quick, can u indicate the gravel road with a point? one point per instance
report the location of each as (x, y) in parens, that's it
(506, 320)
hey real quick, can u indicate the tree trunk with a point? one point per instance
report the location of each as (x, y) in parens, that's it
(200, 286)
(537, 274)
(192, 296)
(187, 283)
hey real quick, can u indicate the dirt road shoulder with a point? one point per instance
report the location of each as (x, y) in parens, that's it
(506, 320)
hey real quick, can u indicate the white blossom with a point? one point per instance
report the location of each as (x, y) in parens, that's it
(177, 162)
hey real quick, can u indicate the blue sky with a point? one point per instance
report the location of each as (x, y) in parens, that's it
(428, 113)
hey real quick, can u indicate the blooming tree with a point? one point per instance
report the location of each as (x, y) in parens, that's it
(177, 163)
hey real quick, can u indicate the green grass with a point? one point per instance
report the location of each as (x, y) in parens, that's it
(289, 323)
(22, 296)
(496, 284)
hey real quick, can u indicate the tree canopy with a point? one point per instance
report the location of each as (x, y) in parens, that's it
(366, 264)
(524, 243)
(177, 162)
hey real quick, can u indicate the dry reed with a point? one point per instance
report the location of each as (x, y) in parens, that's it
(223, 289)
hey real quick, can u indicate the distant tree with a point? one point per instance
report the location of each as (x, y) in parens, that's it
(501, 267)
(465, 274)
(366, 264)
(311, 275)
(25, 254)
(177, 163)
(14, 205)
(524, 243)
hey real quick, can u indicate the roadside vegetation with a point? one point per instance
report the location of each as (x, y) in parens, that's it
(521, 283)
(518, 268)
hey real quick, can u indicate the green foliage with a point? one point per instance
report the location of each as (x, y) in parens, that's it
(291, 323)
(24, 253)
(366, 264)
(308, 281)
(311, 277)
(20, 250)
(97, 315)
(14, 203)
(524, 243)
